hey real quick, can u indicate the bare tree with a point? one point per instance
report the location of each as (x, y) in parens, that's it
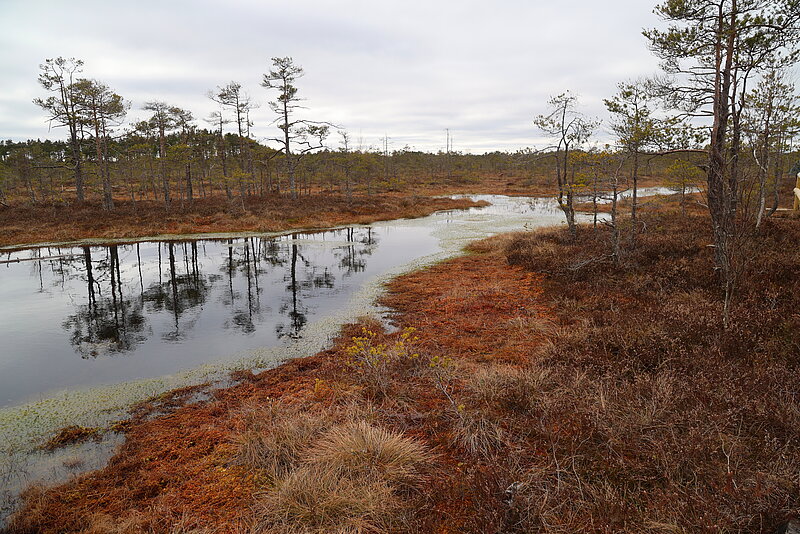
(58, 76)
(570, 130)
(300, 136)
(231, 96)
(344, 162)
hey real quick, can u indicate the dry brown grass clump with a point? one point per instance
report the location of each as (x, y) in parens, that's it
(362, 450)
(275, 436)
(351, 477)
(309, 502)
(513, 388)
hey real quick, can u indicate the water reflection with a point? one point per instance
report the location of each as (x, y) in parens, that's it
(166, 305)
(108, 322)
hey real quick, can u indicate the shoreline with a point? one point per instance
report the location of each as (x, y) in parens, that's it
(80, 232)
(311, 378)
(63, 225)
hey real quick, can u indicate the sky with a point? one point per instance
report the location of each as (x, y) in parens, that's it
(404, 69)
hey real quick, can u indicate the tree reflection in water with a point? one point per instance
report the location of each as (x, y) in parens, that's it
(183, 291)
(68, 315)
(352, 258)
(312, 276)
(133, 293)
(110, 321)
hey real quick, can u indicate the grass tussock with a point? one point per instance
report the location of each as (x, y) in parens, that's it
(336, 468)
(366, 451)
(478, 435)
(275, 436)
(352, 477)
(308, 502)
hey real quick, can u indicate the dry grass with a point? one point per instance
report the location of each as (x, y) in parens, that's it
(306, 501)
(661, 420)
(349, 479)
(478, 435)
(513, 388)
(275, 435)
(362, 450)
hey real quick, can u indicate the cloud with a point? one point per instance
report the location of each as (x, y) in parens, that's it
(404, 69)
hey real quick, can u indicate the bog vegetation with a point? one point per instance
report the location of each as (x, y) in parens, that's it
(633, 375)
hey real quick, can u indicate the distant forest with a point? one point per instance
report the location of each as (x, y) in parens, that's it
(201, 163)
(168, 158)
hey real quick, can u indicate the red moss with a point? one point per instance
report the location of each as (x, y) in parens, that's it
(463, 307)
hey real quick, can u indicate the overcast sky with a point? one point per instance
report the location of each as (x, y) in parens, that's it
(407, 69)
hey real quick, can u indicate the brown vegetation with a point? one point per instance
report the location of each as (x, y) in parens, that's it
(55, 222)
(656, 418)
(69, 435)
(544, 389)
(212, 463)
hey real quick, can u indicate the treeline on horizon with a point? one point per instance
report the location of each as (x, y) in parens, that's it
(37, 171)
(167, 157)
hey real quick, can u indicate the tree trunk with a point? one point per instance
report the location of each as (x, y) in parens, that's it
(189, 187)
(162, 153)
(614, 225)
(634, 197)
(99, 137)
(776, 180)
(720, 182)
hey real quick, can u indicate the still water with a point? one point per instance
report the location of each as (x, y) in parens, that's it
(74, 317)
(81, 316)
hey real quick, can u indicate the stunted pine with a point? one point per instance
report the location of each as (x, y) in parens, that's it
(58, 76)
(299, 136)
(165, 119)
(713, 49)
(100, 109)
(570, 129)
